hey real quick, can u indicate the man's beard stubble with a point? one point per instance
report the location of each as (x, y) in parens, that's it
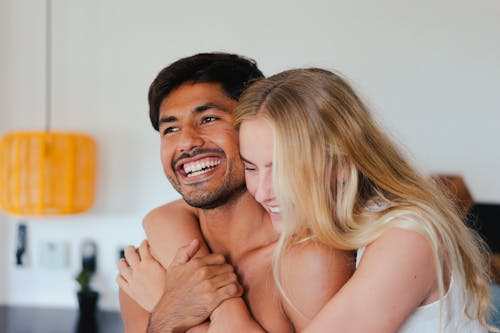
(215, 199)
(230, 189)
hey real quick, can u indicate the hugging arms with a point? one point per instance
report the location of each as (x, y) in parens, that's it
(191, 299)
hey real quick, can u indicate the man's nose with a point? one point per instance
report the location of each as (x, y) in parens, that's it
(189, 139)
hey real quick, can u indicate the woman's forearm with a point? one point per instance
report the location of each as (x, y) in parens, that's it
(233, 316)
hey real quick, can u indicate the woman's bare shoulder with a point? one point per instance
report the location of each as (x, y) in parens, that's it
(311, 275)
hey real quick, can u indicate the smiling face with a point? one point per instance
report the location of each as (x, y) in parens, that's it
(199, 145)
(256, 151)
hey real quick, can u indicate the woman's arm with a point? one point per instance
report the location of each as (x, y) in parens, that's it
(135, 318)
(396, 274)
(168, 228)
(193, 288)
(233, 316)
(311, 275)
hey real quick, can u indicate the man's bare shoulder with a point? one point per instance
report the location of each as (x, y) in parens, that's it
(170, 226)
(311, 275)
(169, 213)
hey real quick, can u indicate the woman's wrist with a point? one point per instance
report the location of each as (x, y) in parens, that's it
(233, 316)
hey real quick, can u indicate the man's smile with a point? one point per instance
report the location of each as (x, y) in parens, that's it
(199, 167)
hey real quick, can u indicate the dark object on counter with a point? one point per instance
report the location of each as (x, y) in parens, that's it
(89, 256)
(87, 318)
(21, 243)
(87, 297)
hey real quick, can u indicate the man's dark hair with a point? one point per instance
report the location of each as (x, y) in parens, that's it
(232, 71)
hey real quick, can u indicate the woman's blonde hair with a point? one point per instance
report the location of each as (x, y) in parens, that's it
(340, 179)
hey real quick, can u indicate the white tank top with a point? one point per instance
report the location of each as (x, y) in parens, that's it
(426, 318)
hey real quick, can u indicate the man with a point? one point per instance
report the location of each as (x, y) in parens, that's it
(191, 102)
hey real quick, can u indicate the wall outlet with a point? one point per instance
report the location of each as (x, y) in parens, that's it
(54, 255)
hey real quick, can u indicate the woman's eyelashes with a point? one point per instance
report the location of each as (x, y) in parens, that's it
(249, 167)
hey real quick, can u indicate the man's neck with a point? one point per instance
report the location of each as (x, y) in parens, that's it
(237, 227)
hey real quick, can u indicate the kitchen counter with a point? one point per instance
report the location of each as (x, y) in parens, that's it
(15, 319)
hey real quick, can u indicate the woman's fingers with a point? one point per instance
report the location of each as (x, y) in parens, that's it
(185, 253)
(132, 256)
(124, 269)
(122, 283)
(144, 251)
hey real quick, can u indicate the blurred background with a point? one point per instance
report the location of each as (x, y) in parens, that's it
(430, 70)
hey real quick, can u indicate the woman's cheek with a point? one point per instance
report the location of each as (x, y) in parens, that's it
(251, 184)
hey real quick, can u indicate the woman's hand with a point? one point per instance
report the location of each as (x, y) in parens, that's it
(141, 276)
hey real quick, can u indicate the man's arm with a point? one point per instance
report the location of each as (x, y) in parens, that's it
(168, 228)
(164, 249)
(194, 288)
(188, 293)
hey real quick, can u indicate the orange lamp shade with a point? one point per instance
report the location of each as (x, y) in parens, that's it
(47, 173)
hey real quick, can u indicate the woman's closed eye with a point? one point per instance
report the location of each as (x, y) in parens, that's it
(249, 167)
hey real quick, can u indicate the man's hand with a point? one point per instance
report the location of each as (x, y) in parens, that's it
(141, 276)
(194, 288)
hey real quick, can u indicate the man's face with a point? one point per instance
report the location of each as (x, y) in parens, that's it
(199, 145)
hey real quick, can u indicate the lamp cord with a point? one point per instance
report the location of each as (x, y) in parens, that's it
(48, 65)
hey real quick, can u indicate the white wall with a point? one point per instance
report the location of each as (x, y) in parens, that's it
(431, 71)
(3, 108)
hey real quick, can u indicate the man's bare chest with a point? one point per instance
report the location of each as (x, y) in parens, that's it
(263, 297)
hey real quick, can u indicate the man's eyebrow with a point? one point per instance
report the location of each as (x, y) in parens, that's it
(199, 109)
(168, 119)
(209, 106)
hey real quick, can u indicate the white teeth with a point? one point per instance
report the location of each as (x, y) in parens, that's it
(197, 168)
(275, 209)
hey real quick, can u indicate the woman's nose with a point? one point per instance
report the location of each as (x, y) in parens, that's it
(264, 192)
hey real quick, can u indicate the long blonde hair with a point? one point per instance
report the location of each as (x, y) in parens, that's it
(333, 163)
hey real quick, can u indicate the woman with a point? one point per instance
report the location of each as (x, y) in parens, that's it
(340, 180)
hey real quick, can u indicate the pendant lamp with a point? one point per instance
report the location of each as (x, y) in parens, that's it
(44, 172)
